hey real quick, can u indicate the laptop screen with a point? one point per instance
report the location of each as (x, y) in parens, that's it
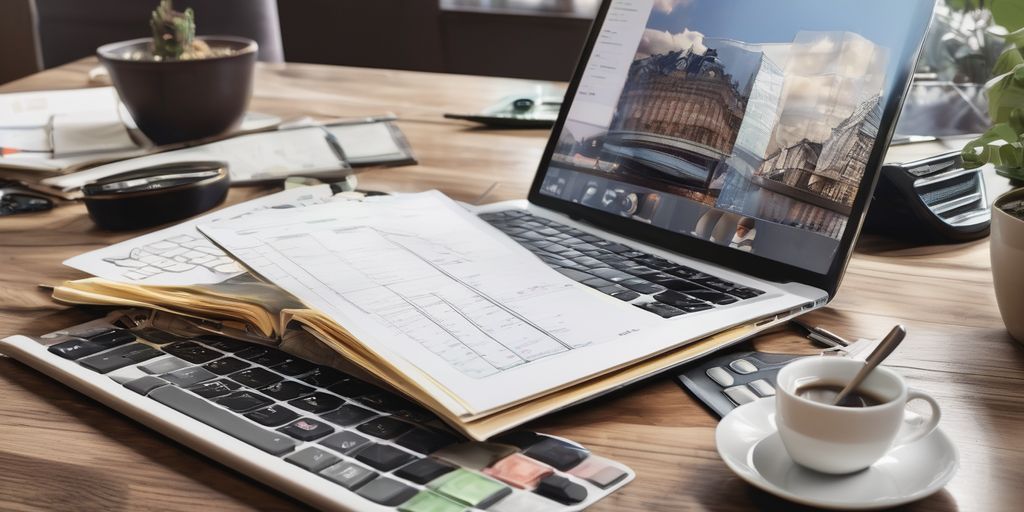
(747, 123)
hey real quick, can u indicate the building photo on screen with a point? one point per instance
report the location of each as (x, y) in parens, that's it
(751, 134)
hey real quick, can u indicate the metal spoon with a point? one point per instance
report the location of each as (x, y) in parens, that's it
(882, 351)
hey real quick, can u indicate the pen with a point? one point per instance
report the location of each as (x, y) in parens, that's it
(13, 151)
(335, 146)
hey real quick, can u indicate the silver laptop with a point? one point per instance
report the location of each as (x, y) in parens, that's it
(713, 161)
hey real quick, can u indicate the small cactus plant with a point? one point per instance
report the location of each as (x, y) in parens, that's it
(174, 34)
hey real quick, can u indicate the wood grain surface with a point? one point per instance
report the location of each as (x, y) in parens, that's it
(62, 451)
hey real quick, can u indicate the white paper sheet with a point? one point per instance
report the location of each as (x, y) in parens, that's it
(33, 109)
(89, 132)
(180, 255)
(424, 283)
(262, 156)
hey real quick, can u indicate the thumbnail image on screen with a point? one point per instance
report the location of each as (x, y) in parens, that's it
(745, 122)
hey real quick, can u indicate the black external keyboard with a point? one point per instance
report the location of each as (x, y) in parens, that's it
(647, 281)
(366, 440)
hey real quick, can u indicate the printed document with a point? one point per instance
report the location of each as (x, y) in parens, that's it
(418, 278)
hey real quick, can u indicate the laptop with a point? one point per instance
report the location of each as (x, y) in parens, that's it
(711, 166)
(713, 160)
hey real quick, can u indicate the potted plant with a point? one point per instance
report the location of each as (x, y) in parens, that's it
(177, 86)
(1003, 147)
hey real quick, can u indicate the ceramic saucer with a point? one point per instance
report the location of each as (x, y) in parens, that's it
(749, 443)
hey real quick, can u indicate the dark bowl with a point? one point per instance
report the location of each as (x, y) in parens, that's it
(175, 101)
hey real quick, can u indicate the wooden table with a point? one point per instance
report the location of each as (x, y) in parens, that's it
(61, 450)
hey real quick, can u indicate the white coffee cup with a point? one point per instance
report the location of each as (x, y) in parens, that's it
(837, 440)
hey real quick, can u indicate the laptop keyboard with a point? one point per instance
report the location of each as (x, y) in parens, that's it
(647, 281)
(362, 438)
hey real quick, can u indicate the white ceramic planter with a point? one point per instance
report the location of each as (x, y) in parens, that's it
(1007, 248)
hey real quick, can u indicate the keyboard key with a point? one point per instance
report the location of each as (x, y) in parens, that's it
(762, 387)
(255, 377)
(273, 416)
(226, 365)
(743, 366)
(293, 367)
(470, 488)
(620, 293)
(745, 293)
(203, 411)
(575, 275)
(187, 377)
(192, 352)
(307, 429)
(348, 475)
(520, 501)
(264, 356)
(382, 456)
(312, 459)
(425, 440)
(424, 470)
(599, 471)
(740, 394)
(75, 349)
(242, 401)
(475, 456)
(384, 427)
(112, 338)
(387, 402)
(163, 365)
(158, 337)
(561, 489)
(214, 389)
(721, 376)
(714, 297)
(344, 441)
(386, 491)
(519, 471)
(317, 403)
(119, 357)
(686, 273)
(286, 390)
(143, 385)
(348, 415)
(427, 501)
(322, 376)
(224, 344)
(352, 388)
(610, 274)
(678, 299)
(642, 286)
(557, 453)
(662, 310)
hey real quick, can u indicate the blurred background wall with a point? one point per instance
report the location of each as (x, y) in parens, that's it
(538, 39)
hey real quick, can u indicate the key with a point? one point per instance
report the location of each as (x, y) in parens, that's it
(611, 274)
(317, 403)
(255, 377)
(312, 459)
(263, 355)
(164, 365)
(561, 489)
(143, 385)
(75, 349)
(215, 388)
(384, 427)
(424, 470)
(119, 357)
(348, 475)
(713, 297)
(286, 390)
(187, 377)
(241, 401)
(348, 415)
(226, 365)
(387, 492)
(662, 310)
(322, 376)
(557, 453)
(382, 456)
(307, 429)
(224, 344)
(642, 286)
(294, 367)
(180, 400)
(273, 416)
(425, 441)
(344, 441)
(192, 352)
(352, 388)
(112, 338)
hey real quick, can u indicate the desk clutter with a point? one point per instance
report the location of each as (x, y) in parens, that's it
(366, 445)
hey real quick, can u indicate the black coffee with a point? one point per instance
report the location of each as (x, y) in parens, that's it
(827, 393)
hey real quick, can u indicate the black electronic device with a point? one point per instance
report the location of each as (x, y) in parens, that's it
(933, 200)
(156, 195)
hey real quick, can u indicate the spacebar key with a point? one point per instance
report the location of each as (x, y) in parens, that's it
(220, 419)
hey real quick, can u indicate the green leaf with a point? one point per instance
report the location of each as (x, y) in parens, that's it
(1005, 93)
(1008, 13)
